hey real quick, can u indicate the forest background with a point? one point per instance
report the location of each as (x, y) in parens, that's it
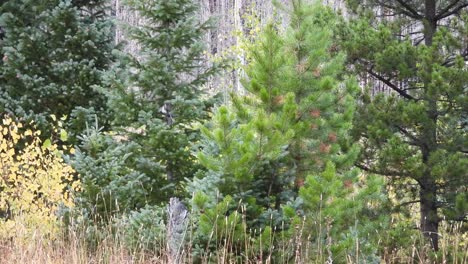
(233, 131)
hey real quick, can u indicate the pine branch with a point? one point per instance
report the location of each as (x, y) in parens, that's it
(407, 203)
(408, 10)
(385, 173)
(388, 82)
(446, 12)
(415, 141)
(451, 60)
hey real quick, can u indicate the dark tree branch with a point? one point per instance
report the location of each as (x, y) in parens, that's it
(450, 61)
(415, 140)
(419, 41)
(410, 9)
(447, 12)
(447, 8)
(385, 173)
(391, 85)
(407, 203)
(408, 12)
(460, 218)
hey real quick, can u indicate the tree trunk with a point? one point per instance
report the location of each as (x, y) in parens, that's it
(429, 220)
(428, 194)
(430, 25)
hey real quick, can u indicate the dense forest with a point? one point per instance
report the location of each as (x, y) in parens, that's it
(233, 131)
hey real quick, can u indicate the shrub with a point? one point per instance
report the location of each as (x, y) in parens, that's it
(144, 229)
(110, 185)
(34, 179)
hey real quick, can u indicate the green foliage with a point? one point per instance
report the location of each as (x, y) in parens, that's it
(158, 96)
(53, 55)
(144, 229)
(110, 187)
(416, 133)
(273, 176)
(292, 124)
(344, 212)
(219, 222)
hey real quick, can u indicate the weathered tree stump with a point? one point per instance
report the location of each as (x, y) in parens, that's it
(176, 230)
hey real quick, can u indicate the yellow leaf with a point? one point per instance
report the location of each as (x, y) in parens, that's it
(12, 177)
(11, 153)
(15, 137)
(63, 135)
(47, 143)
(7, 121)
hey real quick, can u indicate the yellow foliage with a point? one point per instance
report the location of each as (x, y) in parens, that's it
(33, 181)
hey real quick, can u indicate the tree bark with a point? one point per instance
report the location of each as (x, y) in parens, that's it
(176, 229)
(429, 220)
(430, 23)
(428, 188)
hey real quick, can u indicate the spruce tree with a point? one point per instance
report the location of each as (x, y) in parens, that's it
(415, 134)
(160, 96)
(53, 54)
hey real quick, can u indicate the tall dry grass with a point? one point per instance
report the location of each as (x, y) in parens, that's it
(72, 247)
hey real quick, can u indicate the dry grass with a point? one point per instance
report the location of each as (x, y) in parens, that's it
(70, 251)
(73, 249)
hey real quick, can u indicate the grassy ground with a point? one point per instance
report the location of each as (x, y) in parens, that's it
(72, 249)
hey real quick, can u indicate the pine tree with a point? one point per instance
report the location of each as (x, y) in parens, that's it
(268, 149)
(251, 137)
(53, 55)
(416, 133)
(160, 96)
(294, 118)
